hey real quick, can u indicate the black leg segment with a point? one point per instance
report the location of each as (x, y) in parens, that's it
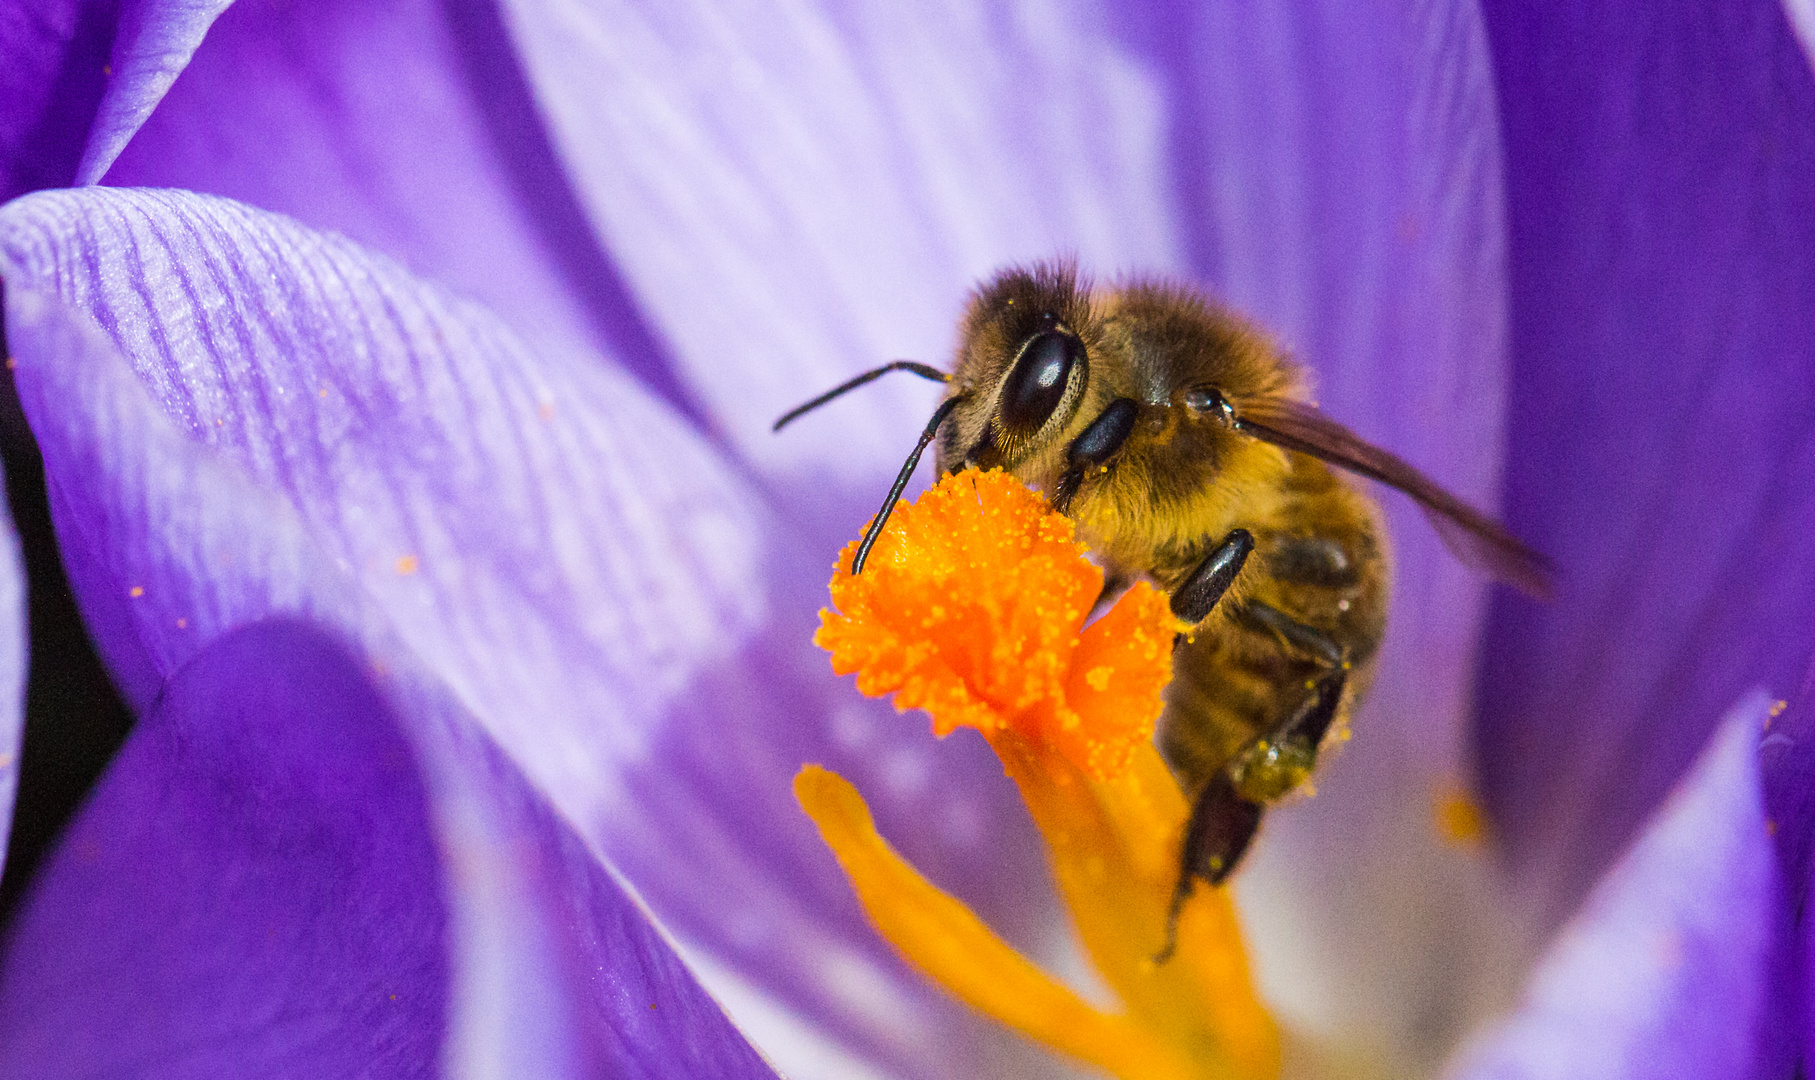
(1093, 449)
(1193, 601)
(1221, 827)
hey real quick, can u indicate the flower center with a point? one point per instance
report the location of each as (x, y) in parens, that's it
(972, 607)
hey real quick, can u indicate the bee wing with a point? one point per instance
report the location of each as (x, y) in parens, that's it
(1474, 537)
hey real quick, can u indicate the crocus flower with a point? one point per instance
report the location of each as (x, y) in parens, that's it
(411, 467)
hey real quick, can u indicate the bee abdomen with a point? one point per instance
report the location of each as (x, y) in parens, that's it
(1312, 602)
(1228, 688)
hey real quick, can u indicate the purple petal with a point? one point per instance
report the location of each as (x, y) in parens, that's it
(280, 876)
(326, 435)
(151, 47)
(252, 888)
(1663, 972)
(1663, 425)
(406, 126)
(79, 79)
(50, 86)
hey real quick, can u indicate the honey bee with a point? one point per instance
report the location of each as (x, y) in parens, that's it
(1182, 443)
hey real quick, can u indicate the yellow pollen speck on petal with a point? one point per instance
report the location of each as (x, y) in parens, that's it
(136, 591)
(406, 565)
(1459, 819)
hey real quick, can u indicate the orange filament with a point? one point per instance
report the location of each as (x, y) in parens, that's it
(972, 607)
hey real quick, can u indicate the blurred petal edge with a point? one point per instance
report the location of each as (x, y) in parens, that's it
(1665, 970)
(286, 872)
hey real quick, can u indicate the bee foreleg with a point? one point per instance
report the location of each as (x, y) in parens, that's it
(1222, 824)
(1193, 601)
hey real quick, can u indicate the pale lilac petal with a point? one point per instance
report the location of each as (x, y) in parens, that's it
(1801, 14)
(281, 876)
(1663, 973)
(1662, 427)
(797, 194)
(305, 428)
(152, 44)
(405, 125)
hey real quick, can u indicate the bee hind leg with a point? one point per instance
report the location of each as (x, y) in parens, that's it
(1308, 640)
(1226, 814)
(1222, 825)
(1284, 755)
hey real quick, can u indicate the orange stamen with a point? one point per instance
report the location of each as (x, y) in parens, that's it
(972, 607)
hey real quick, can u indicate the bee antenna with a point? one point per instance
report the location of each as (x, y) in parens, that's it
(923, 370)
(901, 481)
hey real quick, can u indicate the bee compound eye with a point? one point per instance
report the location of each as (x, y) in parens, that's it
(1037, 384)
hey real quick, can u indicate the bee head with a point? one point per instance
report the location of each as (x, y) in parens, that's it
(1024, 361)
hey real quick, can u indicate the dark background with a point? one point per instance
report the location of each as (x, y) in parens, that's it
(74, 718)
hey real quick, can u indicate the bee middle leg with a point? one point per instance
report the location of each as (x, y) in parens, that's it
(1197, 595)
